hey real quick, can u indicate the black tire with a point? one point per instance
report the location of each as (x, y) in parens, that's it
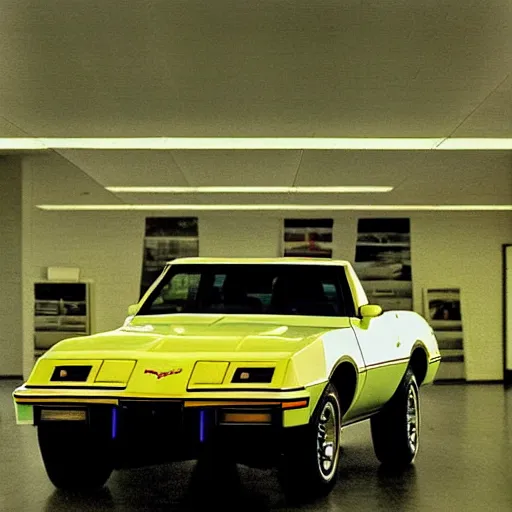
(74, 457)
(396, 428)
(302, 474)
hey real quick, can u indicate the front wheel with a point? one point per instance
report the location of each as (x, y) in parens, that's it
(309, 467)
(74, 457)
(396, 429)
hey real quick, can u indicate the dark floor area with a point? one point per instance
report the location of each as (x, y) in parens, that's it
(464, 464)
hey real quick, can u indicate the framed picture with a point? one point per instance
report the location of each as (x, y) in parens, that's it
(442, 309)
(383, 261)
(308, 238)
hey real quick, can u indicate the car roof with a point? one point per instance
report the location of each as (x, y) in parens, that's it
(267, 261)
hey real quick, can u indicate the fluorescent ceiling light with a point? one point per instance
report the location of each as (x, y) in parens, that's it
(297, 143)
(273, 207)
(249, 190)
(15, 144)
(469, 144)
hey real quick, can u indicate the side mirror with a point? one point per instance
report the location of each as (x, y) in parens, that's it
(370, 311)
(132, 309)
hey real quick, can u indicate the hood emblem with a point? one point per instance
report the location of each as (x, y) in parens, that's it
(160, 375)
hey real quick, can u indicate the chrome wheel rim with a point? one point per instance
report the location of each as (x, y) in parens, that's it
(327, 441)
(412, 419)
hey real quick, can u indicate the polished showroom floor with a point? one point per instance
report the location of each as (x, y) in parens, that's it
(465, 464)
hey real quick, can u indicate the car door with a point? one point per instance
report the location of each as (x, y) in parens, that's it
(385, 358)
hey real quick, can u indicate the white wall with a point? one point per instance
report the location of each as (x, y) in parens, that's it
(465, 250)
(456, 249)
(10, 267)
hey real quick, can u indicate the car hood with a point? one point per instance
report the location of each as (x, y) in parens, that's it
(171, 355)
(200, 334)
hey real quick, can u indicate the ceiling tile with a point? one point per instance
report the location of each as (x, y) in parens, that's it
(60, 182)
(242, 68)
(128, 168)
(238, 167)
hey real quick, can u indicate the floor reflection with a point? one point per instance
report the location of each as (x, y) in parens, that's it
(60, 501)
(461, 456)
(396, 489)
(217, 485)
(187, 487)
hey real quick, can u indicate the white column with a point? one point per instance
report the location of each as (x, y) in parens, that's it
(10, 267)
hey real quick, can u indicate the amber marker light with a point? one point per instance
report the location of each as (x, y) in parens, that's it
(243, 417)
(295, 405)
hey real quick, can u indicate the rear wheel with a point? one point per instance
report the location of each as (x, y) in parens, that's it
(75, 457)
(396, 429)
(309, 467)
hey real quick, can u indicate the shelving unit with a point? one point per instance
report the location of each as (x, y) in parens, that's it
(61, 310)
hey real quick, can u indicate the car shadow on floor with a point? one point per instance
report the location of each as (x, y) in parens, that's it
(183, 487)
(211, 484)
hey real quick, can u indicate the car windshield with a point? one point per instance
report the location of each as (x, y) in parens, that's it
(279, 289)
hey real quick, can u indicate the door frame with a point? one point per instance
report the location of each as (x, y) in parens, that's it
(507, 373)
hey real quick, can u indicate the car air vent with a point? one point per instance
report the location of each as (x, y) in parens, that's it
(251, 375)
(71, 373)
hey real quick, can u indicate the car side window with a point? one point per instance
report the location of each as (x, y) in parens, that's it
(330, 291)
(182, 288)
(349, 306)
(331, 296)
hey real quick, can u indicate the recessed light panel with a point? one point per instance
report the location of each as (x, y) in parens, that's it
(250, 190)
(271, 207)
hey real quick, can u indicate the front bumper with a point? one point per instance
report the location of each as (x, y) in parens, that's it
(294, 406)
(151, 429)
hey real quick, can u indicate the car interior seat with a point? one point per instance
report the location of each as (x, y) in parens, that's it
(236, 299)
(292, 295)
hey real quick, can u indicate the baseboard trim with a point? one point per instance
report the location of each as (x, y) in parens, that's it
(450, 381)
(464, 381)
(11, 377)
(493, 381)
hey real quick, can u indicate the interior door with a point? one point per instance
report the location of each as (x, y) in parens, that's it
(507, 264)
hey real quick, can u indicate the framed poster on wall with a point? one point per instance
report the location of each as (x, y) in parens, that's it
(167, 238)
(442, 309)
(310, 238)
(383, 261)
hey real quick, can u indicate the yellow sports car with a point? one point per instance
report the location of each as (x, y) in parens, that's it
(266, 359)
